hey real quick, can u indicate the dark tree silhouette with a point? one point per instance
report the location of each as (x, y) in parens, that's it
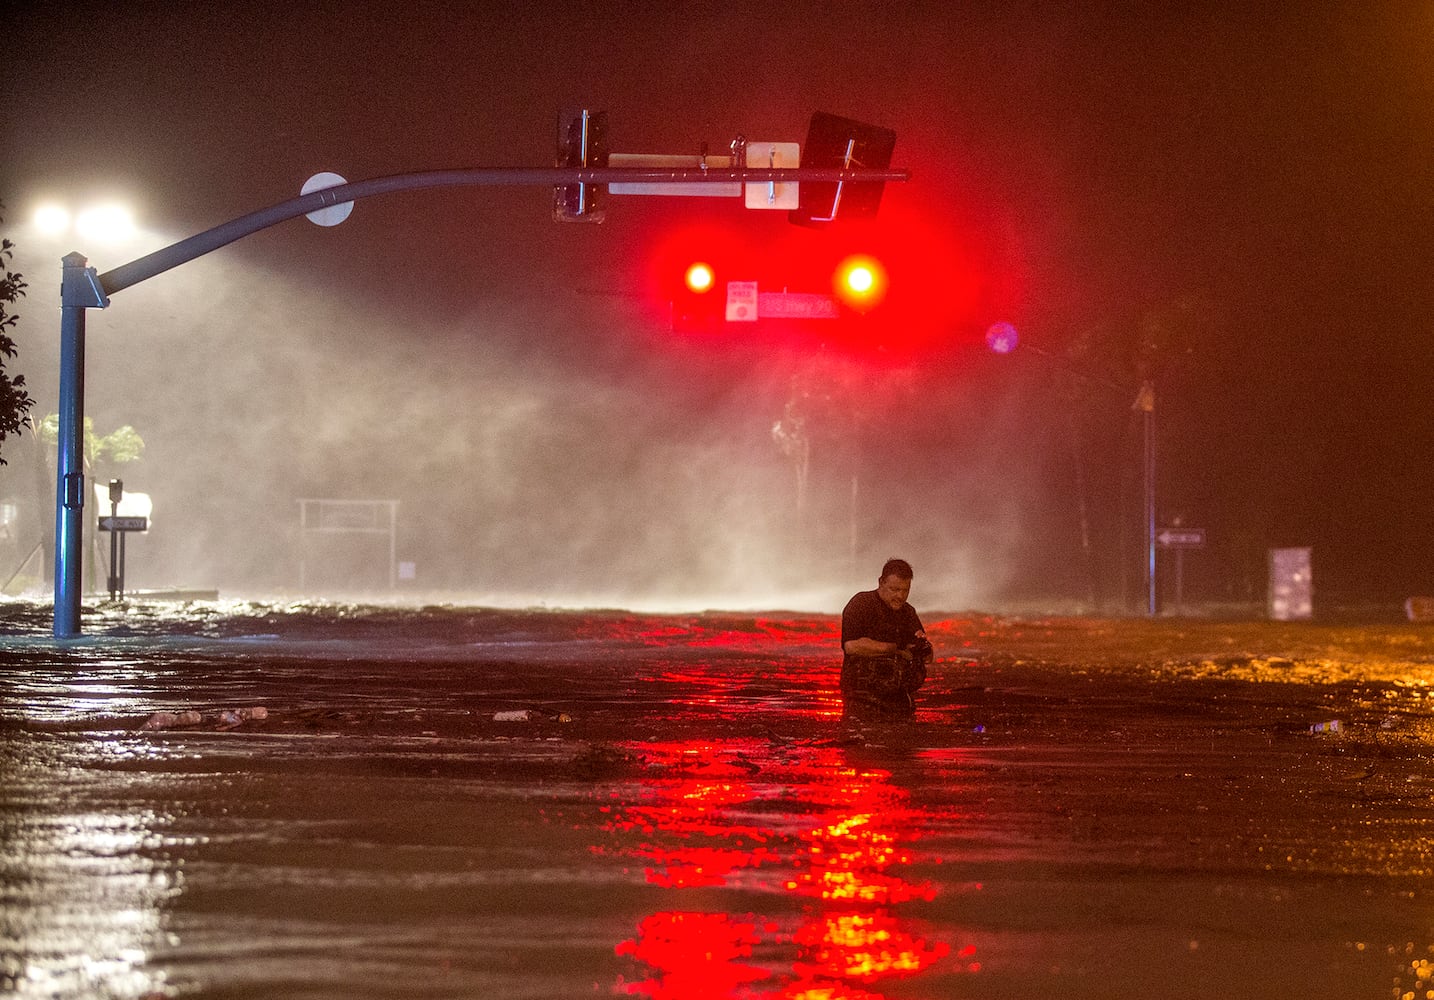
(15, 401)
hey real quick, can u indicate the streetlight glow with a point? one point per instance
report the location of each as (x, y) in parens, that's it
(108, 222)
(105, 223)
(52, 220)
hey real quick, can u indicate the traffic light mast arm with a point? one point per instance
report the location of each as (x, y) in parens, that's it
(198, 245)
(83, 288)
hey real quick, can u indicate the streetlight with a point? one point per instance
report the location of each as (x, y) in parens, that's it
(106, 223)
(53, 223)
(109, 222)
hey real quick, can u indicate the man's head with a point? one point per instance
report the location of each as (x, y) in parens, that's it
(894, 587)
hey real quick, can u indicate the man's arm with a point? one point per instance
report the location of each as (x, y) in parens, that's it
(868, 647)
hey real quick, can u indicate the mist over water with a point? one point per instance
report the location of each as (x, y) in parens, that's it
(555, 448)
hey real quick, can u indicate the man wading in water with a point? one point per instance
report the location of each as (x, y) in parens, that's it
(884, 649)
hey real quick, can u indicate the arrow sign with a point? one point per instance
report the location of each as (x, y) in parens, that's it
(124, 524)
(1181, 538)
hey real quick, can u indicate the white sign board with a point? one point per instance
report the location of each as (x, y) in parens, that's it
(760, 156)
(333, 214)
(741, 302)
(678, 162)
(796, 305)
(124, 524)
(1181, 538)
(1291, 584)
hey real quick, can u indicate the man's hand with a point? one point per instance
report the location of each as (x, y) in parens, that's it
(868, 647)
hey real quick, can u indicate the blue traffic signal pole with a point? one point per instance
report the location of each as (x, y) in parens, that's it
(82, 288)
(79, 290)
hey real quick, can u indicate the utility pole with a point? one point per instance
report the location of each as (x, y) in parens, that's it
(1145, 402)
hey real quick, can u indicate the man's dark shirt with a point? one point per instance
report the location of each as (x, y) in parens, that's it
(879, 687)
(867, 616)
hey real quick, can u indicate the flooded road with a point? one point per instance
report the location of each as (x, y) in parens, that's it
(1082, 809)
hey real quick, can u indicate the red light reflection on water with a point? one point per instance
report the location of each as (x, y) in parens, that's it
(700, 955)
(726, 631)
(689, 838)
(828, 840)
(851, 853)
(724, 663)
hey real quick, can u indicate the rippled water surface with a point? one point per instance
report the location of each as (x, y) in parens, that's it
(1082, 809)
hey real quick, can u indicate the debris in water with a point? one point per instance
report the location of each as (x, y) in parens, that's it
(172, 720)
(238, 716)
(1332, 726)
(227, 719)
(529, 715)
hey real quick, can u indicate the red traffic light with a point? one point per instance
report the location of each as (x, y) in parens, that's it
(699, 278)
(860, 282)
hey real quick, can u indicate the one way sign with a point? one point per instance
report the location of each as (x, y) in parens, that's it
(1181, 538)
(124, 523)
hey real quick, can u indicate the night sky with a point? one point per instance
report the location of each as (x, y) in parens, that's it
(1232, 201)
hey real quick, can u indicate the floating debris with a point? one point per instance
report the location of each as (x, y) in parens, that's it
(530, 715)
(227, 719)
(172, 720)
(238, 716)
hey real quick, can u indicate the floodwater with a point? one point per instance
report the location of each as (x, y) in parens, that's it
(1082, 809)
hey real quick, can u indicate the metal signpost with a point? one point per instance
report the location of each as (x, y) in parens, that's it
(82, 288)
(1180, 539)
